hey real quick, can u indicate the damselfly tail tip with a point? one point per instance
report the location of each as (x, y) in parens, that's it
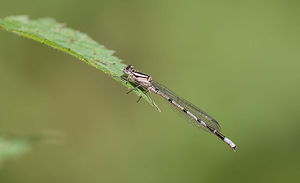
(234, 148)
(230, 143)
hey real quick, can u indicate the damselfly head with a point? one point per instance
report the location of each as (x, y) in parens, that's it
(128, 70)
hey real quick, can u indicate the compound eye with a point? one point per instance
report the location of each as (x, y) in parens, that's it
(128, 69)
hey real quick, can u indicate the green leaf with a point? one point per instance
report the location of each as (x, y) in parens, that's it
(76, 43)
(12, 147)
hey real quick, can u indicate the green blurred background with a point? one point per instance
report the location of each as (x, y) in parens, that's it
(237, 60)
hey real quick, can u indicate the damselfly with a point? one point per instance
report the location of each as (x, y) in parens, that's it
(184, 108)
